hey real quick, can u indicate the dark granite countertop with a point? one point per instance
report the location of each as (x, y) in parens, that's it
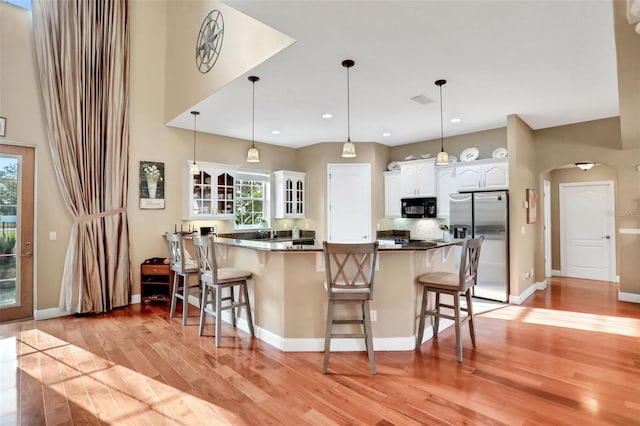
(292, 246)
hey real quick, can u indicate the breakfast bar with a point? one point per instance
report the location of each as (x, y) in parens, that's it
(290, 302)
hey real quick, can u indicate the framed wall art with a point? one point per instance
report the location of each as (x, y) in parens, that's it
(151, 185)
(532, 202)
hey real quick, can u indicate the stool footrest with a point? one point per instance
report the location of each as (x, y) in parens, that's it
(347, 322)
(349, 336)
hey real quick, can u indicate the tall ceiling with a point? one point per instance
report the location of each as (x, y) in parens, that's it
(552, 62)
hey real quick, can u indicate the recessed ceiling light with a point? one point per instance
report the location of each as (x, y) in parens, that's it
(327, 115)
(386, 134)
(275, 132)
(456, 120)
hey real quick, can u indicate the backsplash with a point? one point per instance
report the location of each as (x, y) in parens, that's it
(421, 229)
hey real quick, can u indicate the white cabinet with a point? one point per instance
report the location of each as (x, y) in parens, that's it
(210, 194)
(418, 178)
(483, 175)
(392, 194)
(446, 184)
(289, 194)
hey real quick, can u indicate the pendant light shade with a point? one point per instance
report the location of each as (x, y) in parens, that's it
(348, 149)
(253, 156)
(194, 170)
(443, 157)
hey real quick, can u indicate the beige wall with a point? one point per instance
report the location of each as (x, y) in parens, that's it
(597, 141)
(247, 42)
(151, 140)
(521, 176)
(571, 175)
(486, 142)
(313, 160)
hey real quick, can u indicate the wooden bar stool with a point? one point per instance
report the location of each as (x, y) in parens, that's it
(182, 268)
(350, 270)
(455, 284)
(214, 280)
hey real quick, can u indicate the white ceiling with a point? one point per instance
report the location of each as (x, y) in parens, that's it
(550, 61)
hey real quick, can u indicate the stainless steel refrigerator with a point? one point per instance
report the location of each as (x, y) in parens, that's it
(474, 214)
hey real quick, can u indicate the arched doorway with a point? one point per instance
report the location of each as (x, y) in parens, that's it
(582, 221)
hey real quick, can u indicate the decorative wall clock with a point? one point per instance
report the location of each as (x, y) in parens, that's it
(209, 42)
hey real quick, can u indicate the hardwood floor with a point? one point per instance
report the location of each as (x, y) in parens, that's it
(570, 355)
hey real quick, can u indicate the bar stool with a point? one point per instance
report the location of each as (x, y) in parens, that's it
(350, 271)
(455, 284)
(214, 280)
(182, 267)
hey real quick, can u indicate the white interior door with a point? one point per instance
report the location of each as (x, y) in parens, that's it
(349, 203)
(587, 237)
(546, 195)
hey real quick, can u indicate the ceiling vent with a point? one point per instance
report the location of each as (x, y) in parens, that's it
(422, 100)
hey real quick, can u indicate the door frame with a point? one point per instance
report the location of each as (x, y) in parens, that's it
(546, 196)
(26, 242)
(612, 223)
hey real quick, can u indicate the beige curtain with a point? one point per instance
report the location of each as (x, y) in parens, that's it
(82, 50)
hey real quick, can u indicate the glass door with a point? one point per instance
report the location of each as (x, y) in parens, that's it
(16, 232)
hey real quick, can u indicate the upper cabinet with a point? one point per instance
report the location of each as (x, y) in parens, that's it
(210, 194)
(392, 194)
(483, 175)
(418, 178)
(446, 185)
(289, 194)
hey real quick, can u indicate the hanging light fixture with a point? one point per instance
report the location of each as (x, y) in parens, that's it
(348, 149)
(443, 157)
(194, 170)
(585, 166)
(253, 156)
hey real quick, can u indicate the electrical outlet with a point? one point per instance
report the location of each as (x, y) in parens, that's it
(373, 314)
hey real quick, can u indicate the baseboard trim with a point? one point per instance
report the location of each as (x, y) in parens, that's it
(517, 300)
(629, 297)
(43, 314)
(556, 273)
(338, 345)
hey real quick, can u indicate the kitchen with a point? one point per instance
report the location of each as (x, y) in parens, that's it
(531, 154)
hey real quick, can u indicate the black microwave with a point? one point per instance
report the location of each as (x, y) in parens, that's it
(417, 208)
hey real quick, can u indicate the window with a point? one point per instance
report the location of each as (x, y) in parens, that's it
(252, 200)
(25, 4)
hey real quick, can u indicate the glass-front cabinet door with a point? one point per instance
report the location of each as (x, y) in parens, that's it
(210, 193)
(289, 194)
(225, 193)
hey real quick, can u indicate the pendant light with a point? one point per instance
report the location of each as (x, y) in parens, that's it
(253, 156)
(194, 170)
(348, 149)
(443, 157)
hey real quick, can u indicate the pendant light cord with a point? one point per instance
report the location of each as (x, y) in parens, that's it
(348, 108)
(195, 116)
(253, 113)
(441, 123)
